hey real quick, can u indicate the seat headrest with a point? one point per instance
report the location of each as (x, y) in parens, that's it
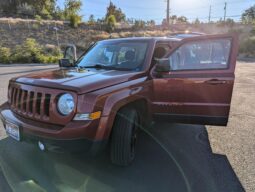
(130, 55)
(159, 52)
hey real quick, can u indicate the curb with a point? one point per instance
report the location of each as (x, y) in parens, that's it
(29, 64)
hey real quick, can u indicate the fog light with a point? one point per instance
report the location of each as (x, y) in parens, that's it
(87, 116)
(41, 146)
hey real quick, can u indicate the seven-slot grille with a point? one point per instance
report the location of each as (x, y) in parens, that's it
(30, 103)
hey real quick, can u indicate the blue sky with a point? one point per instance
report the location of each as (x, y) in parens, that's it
(156, 9)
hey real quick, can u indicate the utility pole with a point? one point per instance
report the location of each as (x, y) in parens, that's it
(210, 12)
(225, 11)
(167, 12)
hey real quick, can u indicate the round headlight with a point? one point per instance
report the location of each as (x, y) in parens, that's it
(65, 104)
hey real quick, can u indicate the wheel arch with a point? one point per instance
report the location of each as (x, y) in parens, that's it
(106, 123)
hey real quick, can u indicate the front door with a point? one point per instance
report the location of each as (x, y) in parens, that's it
(198, 86)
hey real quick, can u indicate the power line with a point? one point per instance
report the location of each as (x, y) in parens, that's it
(225, 4)
(183, 11)
(157, 8)
(213, 17)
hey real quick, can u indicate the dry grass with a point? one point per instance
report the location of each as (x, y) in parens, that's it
(19, 20)
(46, 35)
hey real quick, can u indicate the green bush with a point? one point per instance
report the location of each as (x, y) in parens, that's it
(238, 31)
(48, 58)
(253, 31)
(31, 52)
(50, 55)
(5, 54)
(111, 23)
(38, 18)
(139, 24)
(75, 20)
(28, 52)
(35, 26)
(46, 14)
(248, 46)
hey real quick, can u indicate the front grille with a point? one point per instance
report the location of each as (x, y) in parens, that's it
(30, 103)
(37, 103)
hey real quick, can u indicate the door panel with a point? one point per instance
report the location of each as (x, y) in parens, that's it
(198, 89)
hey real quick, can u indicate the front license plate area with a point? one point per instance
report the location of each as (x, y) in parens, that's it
(12, 130)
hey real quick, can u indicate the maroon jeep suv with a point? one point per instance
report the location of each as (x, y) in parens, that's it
(119, 86)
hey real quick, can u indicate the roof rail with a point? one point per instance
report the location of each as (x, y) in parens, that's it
(186, 34)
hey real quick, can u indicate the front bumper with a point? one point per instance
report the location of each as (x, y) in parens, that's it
(73, 145)
(75, 136)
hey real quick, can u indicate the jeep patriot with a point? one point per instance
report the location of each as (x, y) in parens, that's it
(119, 86)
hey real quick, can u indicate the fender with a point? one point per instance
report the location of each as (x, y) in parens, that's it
(116, 101)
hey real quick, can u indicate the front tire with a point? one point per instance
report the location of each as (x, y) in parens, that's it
(124, 136)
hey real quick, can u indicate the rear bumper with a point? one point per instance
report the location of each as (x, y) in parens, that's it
(72, 137)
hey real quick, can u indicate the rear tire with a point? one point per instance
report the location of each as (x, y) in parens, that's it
(124, 136)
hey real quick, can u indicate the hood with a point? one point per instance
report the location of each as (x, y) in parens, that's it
(80, 81)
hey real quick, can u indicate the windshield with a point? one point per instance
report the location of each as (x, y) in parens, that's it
(120, 56)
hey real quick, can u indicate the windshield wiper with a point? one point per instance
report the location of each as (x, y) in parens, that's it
(97, 66)
(100, 66)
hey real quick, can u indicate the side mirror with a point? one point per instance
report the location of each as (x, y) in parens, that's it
(163, 65)
(65, 63)
(70, 53)
(70, 57)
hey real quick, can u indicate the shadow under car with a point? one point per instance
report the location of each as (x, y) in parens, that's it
(169, 157)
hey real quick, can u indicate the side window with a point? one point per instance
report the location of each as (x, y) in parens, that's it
(201, 55)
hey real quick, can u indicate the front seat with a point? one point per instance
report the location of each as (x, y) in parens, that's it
(159, 53)
(130, 60)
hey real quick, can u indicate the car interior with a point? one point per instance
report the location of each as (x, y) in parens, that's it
(201, 55)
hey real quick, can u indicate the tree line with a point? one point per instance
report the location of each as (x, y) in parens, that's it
(42, 9)
(48, 9)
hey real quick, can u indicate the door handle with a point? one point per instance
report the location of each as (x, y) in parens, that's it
(215, 82)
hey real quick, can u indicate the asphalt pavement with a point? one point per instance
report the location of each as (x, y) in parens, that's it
(170, 157)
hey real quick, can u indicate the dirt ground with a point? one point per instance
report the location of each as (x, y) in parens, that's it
(236, 141)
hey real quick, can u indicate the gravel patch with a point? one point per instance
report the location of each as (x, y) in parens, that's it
(237, 140)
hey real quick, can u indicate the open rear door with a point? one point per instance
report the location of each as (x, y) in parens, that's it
(198, 86)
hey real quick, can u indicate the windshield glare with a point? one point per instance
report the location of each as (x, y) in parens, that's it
(119, 56)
